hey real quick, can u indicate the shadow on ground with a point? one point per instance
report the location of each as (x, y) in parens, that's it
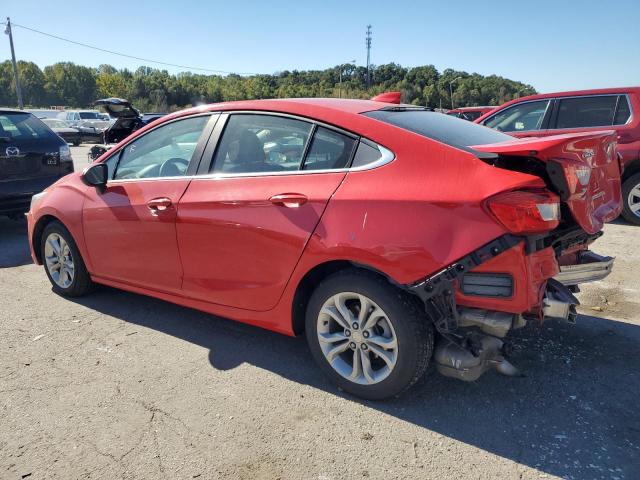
(573, 415)
(14, 249)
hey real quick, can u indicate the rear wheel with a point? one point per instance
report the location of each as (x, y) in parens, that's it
(63, 263)
(631, 199)
(368, 336)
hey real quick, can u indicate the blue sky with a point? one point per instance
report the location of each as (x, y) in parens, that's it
(552, 45)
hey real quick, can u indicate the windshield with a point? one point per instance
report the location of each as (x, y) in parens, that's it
(438, 126)
(90, 116)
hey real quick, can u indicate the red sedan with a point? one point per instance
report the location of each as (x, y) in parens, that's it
(388, 234)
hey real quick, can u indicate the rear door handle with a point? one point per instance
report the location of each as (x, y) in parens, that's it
(289, 200)
(158, 204)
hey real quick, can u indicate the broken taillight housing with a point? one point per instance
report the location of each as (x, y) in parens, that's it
(526, 211)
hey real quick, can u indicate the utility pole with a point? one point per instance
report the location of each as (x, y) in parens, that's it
(368, 44)
(15, 65)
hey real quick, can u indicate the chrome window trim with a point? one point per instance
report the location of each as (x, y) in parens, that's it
(387, 156)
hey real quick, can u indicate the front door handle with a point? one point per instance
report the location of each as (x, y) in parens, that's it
(159, 204)
(290, 200)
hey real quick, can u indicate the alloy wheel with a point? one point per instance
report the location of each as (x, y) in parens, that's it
(633, 200)
(59, 260)
(357, 338)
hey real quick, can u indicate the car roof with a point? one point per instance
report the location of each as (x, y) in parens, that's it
(576, 93)
(323, 109)
(571, 93)
(468, 109)
(13, 110)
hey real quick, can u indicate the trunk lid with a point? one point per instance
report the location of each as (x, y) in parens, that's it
(118, 108)
(582, 167)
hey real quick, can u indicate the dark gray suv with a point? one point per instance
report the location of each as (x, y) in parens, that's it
(32, 157)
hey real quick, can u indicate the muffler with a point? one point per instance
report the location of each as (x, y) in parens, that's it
(559, 303)
(455, 361)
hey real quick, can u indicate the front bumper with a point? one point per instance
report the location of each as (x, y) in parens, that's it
(590, 267)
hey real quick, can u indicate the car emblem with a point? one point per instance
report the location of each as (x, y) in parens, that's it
(12, 151)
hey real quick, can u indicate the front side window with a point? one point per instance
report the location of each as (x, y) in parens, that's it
(329, 150)
(578, 112)
(163, 152)
(261, 143)
(519, 118)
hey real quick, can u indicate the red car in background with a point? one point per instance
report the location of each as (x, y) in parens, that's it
(470, 113)
(582, 111)
(388, 234)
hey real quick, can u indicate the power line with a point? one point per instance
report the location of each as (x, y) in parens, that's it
(126, 55)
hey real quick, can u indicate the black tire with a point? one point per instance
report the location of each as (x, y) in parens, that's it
(629, 184)
(413, 331)
(76, 143)
(81, 283)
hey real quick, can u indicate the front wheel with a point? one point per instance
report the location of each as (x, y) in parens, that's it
(63, 263)
(631, 199)
(369, 337)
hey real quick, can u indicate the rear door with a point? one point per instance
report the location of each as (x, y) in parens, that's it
(243, 225)
(129, 228)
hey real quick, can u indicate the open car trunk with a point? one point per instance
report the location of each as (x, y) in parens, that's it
(581, 167)
(128, 119)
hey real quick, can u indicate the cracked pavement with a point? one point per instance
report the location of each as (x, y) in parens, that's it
(117, 385)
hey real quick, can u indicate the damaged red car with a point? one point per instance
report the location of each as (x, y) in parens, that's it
(390, 235)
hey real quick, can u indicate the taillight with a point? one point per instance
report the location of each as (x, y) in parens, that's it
(526, 211)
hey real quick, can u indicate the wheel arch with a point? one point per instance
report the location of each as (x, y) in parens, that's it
(631, 169)
(36, 238)
(313, 277)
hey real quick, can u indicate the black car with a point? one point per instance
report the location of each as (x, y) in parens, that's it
(128, 120)
(32, 157)
(68, 133)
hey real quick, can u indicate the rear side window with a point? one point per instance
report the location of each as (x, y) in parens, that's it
(521, 117)
(261, 143)
(329, 150)
(22, 126)
(443, 128)
(596, 111)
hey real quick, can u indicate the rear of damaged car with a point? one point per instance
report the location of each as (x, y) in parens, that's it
(481, 229)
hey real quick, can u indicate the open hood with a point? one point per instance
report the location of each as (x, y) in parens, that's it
(118, 108)
(582, 167)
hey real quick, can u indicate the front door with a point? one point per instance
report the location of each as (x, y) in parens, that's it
(130, 228)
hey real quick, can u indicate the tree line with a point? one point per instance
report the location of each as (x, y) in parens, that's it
(151, 89)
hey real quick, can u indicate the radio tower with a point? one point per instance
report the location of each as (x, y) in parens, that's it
(368, 44)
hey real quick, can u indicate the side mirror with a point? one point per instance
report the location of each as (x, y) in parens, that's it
(96, 176)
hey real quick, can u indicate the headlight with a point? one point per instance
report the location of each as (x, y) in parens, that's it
(65, 153)
(36, 199)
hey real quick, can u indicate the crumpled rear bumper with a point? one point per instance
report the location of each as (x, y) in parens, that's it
(590, 267)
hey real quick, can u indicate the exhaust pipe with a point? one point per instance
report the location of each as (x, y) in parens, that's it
(559, 303)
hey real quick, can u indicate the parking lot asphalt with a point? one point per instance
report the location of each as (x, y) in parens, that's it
(117, 385)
